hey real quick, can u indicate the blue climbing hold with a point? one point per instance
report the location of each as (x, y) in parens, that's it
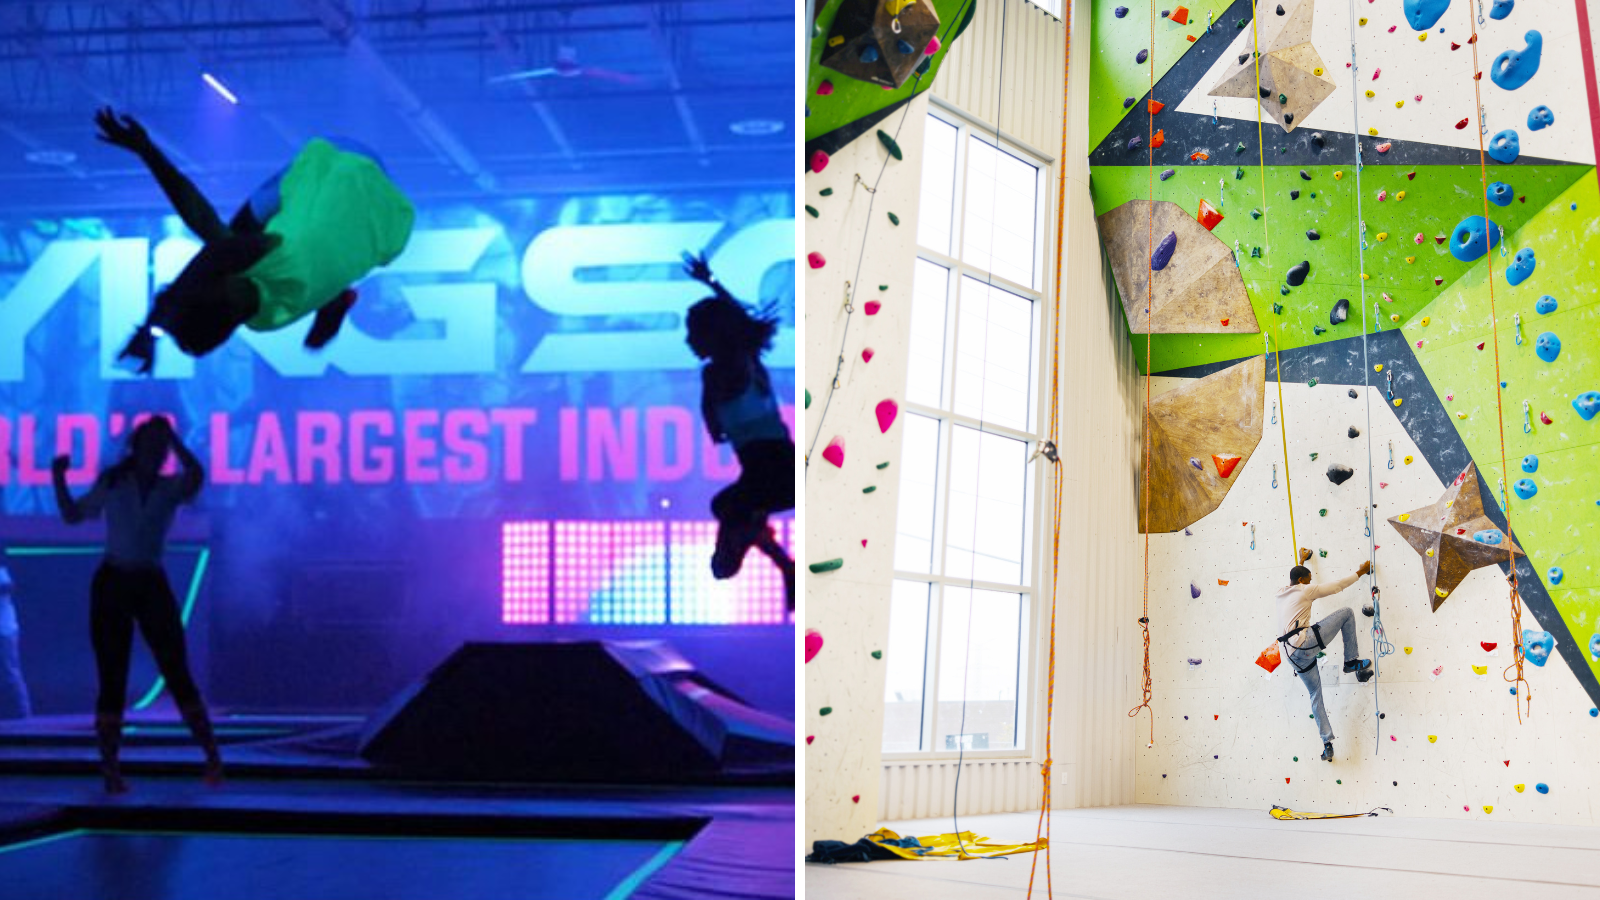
(1143, 55)
(1468, 242)
(1594, 711)
(1501, 194)
(1501, 9)
(1127, 102)
(1521, 267)
(869, 53)
(1536, 645)
(1525, 488)
(1121, 11)
(1555, 574)
(1540, 117)
(1505, 147)
(1587, 404)
(1512, 69)
(905, 48)
(1530, 463)
(1424, 14)
(1545, 306)
(1594, 646)
(1547, 346)
(1163, 252)
(1168, 173)
(1488, 536)
(1542, 788)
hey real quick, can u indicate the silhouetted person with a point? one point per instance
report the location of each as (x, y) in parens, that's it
(739, 408)
(131, 588)
(13, 687)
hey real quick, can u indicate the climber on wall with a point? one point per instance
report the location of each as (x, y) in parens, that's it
(1304, 641)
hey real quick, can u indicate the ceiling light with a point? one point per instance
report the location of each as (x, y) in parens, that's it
(756, 127)
(219, 87)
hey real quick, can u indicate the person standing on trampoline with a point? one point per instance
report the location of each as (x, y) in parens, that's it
(294, 249)
(1305, 641)
(739, 407)
(130, 587)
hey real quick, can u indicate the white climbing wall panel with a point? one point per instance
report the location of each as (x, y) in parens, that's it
(1243, 729)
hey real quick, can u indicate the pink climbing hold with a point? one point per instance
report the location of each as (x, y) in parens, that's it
(834, 452)
(815, 260)
(1383, 195)
(872, 307)
(1545, 418)
(866, 354)
(1392, 28)
(1384, 147)
(1377, 72)
(856, 799)
(887, 410)
(1383, 484)
(1419, 239)
(1419, 345)
(1418, 98)
(819, 161)
(810, 738)
(813, 644)
(933, 46)
(825, 88)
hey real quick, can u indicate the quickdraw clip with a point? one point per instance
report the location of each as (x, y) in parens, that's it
(1389, 388)
(1366, 515)
(1252, 537)
(1391, 454)
(1527, 418)
(1517, 327)
(1274, 474)
(1274, 412)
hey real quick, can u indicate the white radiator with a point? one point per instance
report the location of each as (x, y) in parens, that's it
(926, 789)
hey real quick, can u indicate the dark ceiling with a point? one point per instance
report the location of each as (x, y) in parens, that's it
(665, 95)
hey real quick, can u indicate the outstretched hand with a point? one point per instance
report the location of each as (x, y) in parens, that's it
(697, 268)
(1365, 568)
(121, 130)
(140, 353)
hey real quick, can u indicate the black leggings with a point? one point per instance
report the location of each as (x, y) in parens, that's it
(119, 599)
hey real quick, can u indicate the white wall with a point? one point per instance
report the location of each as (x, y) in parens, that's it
(1243, 729)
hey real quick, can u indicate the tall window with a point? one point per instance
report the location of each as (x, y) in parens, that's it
(961, 608)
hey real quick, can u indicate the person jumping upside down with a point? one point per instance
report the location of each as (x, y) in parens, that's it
(1304, 641)
(294, 249)
(131, 589)
(739, 407)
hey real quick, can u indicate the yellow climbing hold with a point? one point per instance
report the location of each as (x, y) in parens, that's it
(1378, 367)
(1338, 175)
(1371, 94)
(1519, 787)
(1486, 809)
(1423, 36)
(1434, 738)
(1408, 460)
(1404, 517)
(1399, 103)
(1461, 415)
(1394, 317)
(1372, 132)
(1441, 592)
(895, 6)
(1429, 552)
(836, 40)
(1317, 71)
(1365, 276)
(1425, 321)
(1383, 236)
(1408, 651)
(1397, 401)
(1363, 20)
(1480, 670)
(1411, 259)
(1400, 196)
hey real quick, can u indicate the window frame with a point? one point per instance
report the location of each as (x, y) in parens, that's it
(1028, 719)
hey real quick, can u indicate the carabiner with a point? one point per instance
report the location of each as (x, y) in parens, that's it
(1527, 418)
(1274, 412)
(1517, 327)
(1274, 474)
(1377, 319)
(1252, 537)
(1391, 454)
(1389, 390)
(1367, 516)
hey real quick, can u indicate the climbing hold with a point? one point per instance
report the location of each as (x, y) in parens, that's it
(1488, 536)
(1318, 329)
(1339, 474)
(825, 711)
(1488, 809)
(1525, 488)
(1587, 404)
(1400, 196)
(1383, 195)
(1168, 173)
(1208, 216)
(1504, 146)
(1353, 432)
(889, 144)
(825, 192)
(819, 161)
(1158, 139)
(1399, 400)
(1433, 738)
(1163, 252)
(1322, 512)
(1317, 140)
(826, 565)
(894, 219)
(1545, 306)
(1143, 55)
(882, 465)
(1461, 124)
(1181, 15)
(1540, 117)
(1521, 267)
(813, 643)
(1313, 235)
(808, 400)
(834, 452)
(1194, 592)
(1542, 788)
(1383, 236)
(1196, 463)
(1545, 417)
(815, 260)
(1353, 394)
(1530, 463)
(1225, 463)
(1120, 11)
(1547, 346)
(1294, 195)
(1135, 143)
(1501, 9)
(871, 307)
(1500, 194)
(904, 47)
(812, 211)
(1400, 103)
(1371, 94)
(1255, 213)
(866, 354)
(886, 410)
(1127, 102)
(1554, 573)
(1340, 312)
(1304, 175)
(1537, 646)
(1238, 172)
(1422, 15)
(869, 54)
(1338, 175)
(1512, 69)
(1425, 320)
(1277, 308)
(1298, 272)
(1469, 240)
(1383, 147)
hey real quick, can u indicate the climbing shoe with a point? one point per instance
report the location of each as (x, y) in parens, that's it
(1327, 751)
(1356, 665)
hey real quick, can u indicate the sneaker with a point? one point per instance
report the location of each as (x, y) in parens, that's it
(1327, 751)
(1357, 665)
(1365, 675)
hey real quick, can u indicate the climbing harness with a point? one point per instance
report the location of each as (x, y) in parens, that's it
(1520, 688)
(1289, 649)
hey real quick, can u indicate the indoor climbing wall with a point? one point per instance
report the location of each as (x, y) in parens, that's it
(1339, 160)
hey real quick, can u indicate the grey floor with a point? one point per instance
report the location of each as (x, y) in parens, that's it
(1173, 852)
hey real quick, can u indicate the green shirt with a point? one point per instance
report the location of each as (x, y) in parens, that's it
(339, 218)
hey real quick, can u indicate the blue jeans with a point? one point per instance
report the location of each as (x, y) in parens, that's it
(1344, 622)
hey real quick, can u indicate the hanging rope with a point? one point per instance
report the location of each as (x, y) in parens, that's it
(1149, 328)
(1523, 691)
(1377, 638)
(1041, 838)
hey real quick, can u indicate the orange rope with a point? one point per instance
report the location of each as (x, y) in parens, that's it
(1519, 683)
(1149, 327)
(1041, 837)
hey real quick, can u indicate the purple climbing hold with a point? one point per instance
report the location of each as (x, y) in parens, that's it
(1163, 252)
(1122, 12)
(1127, 102)
(1143, 55)
(1194, 592)
(1168, 174)
(1135, 143)
(1196, 463)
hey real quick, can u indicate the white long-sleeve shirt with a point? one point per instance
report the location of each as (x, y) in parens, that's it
(1294, 606)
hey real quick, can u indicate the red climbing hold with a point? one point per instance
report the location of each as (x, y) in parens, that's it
(819, 161)
(1480, 346)
(1190, 37)
(1221, 582)
(1224, 323)
(856, 799)
(872, 307)
(1523, 199)
(1159, 138)
(1437, 280)
(1507, 762)
(810, 738)
(1488, 646)
(815, 260)
(1461, 124)
(866, 354)
(1181, 15)
(1473, 39)
(1215, 717)
(1545, 418)
(825, 88)
(1411, 176)
(1286, 780)
(1199, 154)
(1454, 46)
(1156, 106)
(1209, 217)
(1225, 464)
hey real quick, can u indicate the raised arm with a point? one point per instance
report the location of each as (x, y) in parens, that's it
(74, 510)
(1328, 589)
(193, 476)
(700, 271)
(191, 205)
